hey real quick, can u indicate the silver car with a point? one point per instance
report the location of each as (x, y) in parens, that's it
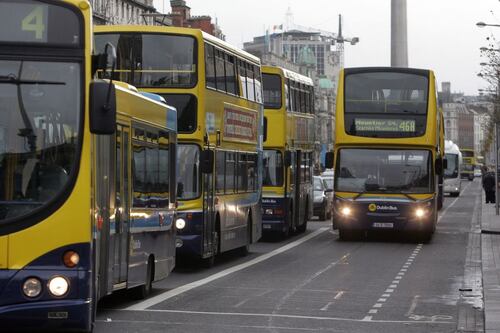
(322, 199)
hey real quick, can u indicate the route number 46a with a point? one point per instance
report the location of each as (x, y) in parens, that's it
(34, 23)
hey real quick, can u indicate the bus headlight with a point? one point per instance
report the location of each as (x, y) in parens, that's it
(32, 287)
(346, 211)
(180, 224)
(58, 286)
(420, 213)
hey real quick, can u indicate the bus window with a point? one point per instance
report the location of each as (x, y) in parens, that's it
(188, 179)
(220, 72)
(231, 75)
(221, 170)
(272, 91)
(210, 66)
(187, 111)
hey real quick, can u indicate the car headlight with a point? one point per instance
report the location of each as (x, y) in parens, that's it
(32, 287)
(419, 212)
(346, 211)
(180, 224)
(58, 286)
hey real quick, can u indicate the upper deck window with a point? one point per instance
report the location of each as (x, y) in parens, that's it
(386, 104)
(153, 60)
(272, 91)
(37, 22)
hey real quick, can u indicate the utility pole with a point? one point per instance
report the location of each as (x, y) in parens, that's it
(399, 34)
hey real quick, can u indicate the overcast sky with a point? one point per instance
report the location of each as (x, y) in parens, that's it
(442, 34)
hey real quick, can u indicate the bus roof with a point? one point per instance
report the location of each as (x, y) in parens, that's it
(177, 31)
(146, 110)
(289, 74)
(419, 71)
(451, 148)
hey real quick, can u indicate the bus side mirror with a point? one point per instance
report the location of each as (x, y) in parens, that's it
(102, 108)
(288, 158)
(329, 160)
(207, 161)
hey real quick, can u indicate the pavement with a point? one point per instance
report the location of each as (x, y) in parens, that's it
(490, 257)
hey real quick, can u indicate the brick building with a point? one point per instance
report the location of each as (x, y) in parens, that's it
(181, 17)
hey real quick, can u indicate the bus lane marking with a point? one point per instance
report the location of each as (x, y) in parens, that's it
(393, 286)
(141, 306)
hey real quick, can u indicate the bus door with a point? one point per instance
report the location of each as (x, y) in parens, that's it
(297, 190)
(122, 206)
(208, 211)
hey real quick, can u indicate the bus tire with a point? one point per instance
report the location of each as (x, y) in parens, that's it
(288, 222)
(303, 227)
(424, 237)
(144, 291)
(245, 249)
(210, 261)
(347, 235)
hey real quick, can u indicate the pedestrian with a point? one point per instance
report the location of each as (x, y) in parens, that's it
(489, 186)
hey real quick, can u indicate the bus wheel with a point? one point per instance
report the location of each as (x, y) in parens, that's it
(424, 237)
(245, 249)
(303, 227)
(144, 291)
(210, 261)
(348, 235)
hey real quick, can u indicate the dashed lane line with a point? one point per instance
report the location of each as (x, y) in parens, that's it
(393, 286)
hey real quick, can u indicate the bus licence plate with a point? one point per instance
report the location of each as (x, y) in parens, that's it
(383, 225)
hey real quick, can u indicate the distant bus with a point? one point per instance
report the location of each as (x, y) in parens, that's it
(469, 163)
(389, 151)
(216, 89)
(452, 177)
(288, 150)
(87, 174)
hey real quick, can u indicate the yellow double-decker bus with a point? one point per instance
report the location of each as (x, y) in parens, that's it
(469, 162)
(388, 152)
(216, 89)
(87, 173)
(288, 150)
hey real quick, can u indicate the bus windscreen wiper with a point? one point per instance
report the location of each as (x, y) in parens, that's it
(12, 79)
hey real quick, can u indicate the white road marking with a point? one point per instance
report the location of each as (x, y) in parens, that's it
(397, 279)
(187, 287)
(339, 295)
(238, 314)
(451, 205)
(413, 306)
(325, 308)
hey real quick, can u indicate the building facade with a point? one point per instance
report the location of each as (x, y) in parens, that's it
(181, 17)
(127, 12)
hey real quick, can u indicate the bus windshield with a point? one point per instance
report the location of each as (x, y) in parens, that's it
(188, 174)
(451, 170)
(386, 104)
(273, 168)
(39, 132)
(153, 60)
(272, 91)
(380, 170)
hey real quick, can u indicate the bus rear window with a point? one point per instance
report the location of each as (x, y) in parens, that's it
(386, 104)
(272, 91)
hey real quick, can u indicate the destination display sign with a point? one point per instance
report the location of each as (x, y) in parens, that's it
(38, 22)
(240, 124)
(385, 125)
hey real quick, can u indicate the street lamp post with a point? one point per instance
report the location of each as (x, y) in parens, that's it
(497, 125)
